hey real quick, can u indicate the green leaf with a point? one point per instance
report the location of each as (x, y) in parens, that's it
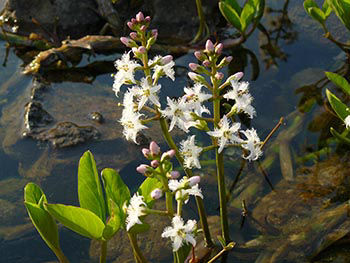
(326, 8)
(234, 4)
(230, 15)
(114, 221)
(339, 107)
(342, 10)
(339, 81)
(340, 137)
(80, 220)
(317, 14)
(147, 187)
(89, 187)
(115, 188)
(139, 228)
(41, 219)
(309, 4)
(247, 15)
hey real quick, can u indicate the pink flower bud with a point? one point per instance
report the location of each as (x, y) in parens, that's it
(154, 33)
(193, 76)
(206, 63)
(194, 180)
(133, 20)
(156, 193)
(237, 76)
(143, 28)
(171, 153)
(142, 168)
(193, 66)
(125, 41)
(146, 152)
(140, 17)
(130, 25)
(174, 174)
(166, 59)
(219, 75)
(209, 46)
(133, 35)
(147, 19)
(218, 49)
(228, 59)
(142, 49)
(200, 55)
(155, 163)
(154, 148)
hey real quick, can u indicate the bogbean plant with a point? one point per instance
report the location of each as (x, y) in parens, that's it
(106, 208)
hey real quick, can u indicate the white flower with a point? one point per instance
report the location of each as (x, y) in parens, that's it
(184, 190)
(180, 232)
(147, 92)
(195, 97)
(347, 122)
(252, 144)
(179, 112)
(190, 153)
(163, 69)
(125, 74)
(131, 123)
(134, 210)
(226, 133)
(240, 94)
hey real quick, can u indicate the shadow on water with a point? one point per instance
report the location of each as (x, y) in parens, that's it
(292, 201)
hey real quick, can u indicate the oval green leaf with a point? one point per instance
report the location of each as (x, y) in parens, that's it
(80, 220)
(114, 221)
(230, 15)
(247, 15)
(342, 10)
(339, 107)
(89, 187)
(317, 14)
(147, 187)
(234, 4)
(32, 193)
(339, 81)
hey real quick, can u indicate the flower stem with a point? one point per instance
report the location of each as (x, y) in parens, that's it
(135, 247)
(179, 207)
(59, 254)
(103, 254)
(199, 201)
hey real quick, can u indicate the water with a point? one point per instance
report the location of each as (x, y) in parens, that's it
(23, 159)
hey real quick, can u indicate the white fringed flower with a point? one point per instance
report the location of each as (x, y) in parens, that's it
(134, 211)
(252, 144)
(190, 153)
(226, 133)
(181, 233)
(347, 122)
(166, 70)
(147, 92)
(195, 97)
(125, 75)
(183, 189)
(131, 123)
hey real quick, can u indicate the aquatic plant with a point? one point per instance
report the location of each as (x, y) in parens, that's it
(108, 207)
(340, 108)
(340, 7)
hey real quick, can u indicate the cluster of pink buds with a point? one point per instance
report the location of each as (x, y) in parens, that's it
(139, 25)
(208, 57)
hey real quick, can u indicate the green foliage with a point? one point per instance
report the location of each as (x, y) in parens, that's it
(315, 12)
(339, 107)
(147, 187)
(340, 137)
(80, 220)
(339, 81)
(42, 220)
(89, 187)
(342, 10)
(240, 17)
(114, 221)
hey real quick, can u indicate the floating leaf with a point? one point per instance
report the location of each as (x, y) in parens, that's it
(115, 188)
(340, 137)
(80, 220)
(41, 219)
(339, 81)
(339, 107)
(147, 187)
(89, 187)
(230, 15)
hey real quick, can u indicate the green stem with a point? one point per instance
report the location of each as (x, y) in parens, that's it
(199, 201)
(202, 25)
(137, 251)
(59, 254)
(168, 194)
(179, 207)
(103, 254)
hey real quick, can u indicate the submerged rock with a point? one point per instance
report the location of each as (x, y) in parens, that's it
(35, 117)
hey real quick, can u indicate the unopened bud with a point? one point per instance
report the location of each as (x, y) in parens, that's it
(146, 152)
(171, 153)
(133, 35)
(218, 49)
(200, 55)
(228, 59)
(166, 59)
(193, 66)
(130, 25)
(133, 20)
(142, 49)
(140, 17)
(154, 148)
(225, 61)
(142, 169)
(174, 174)
(155, 163)
(155, 33)
(147, 19)
(209, 46)
(237, 76)
(197, 78)
(201, 125)
(194, 180)
(206, 63)
(143, 28)
(156, 193)
(219, 75)
(125, 41)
